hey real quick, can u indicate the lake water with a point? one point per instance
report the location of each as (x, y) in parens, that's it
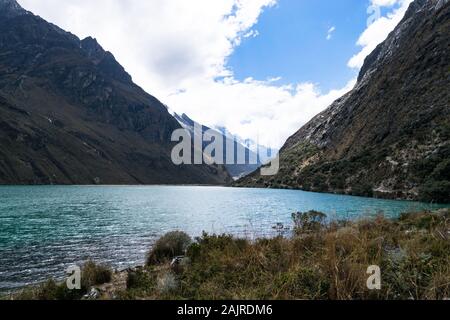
(43, 230)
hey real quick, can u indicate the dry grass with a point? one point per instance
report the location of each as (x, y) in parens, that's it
(321, 261)
(91, 274)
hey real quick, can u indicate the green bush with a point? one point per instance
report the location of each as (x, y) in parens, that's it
(141, 279)
(168, 247)
(308, 221)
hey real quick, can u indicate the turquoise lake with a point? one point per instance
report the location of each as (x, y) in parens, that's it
(44, 230)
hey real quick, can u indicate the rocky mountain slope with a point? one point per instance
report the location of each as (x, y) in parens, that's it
(389, 136)
(71, 114)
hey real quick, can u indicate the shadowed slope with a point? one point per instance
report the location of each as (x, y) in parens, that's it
(71, 114)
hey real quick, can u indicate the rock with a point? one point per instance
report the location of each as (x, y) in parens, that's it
(440, 4)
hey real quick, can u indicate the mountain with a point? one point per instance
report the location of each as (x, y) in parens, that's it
(235, 170)
(71, 114)
(389, 136)
(265, 154)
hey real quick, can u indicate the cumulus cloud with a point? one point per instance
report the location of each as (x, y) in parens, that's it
(163, 44)
(177, 50)
(256, 109)
(379, 27)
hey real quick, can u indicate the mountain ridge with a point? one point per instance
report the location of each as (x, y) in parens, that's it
(71, 114)
(234, 169)
(11, 8)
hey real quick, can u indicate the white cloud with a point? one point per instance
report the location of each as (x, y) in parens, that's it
(177, 50)
(163, 44)
(379, 29)
(256, 109)
(330, 32)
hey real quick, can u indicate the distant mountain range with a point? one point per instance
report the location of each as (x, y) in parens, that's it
(389, 136)
(71, 114)
(265, 154)
(260, 154)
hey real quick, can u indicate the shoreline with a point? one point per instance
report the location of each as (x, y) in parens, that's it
(402, 239)
(409, 200)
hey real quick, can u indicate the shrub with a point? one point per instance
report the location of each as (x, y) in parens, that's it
(93, 274)
(141, 279)
(168, 247)
(308, 221)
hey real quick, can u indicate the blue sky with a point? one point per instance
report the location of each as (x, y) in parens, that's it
(194, 56)
(292, 43)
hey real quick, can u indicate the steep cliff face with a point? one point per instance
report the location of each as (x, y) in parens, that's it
(71, 114)
(389, 136)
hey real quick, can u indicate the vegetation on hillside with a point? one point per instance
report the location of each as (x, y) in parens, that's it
(364, 174)
(389, 136)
